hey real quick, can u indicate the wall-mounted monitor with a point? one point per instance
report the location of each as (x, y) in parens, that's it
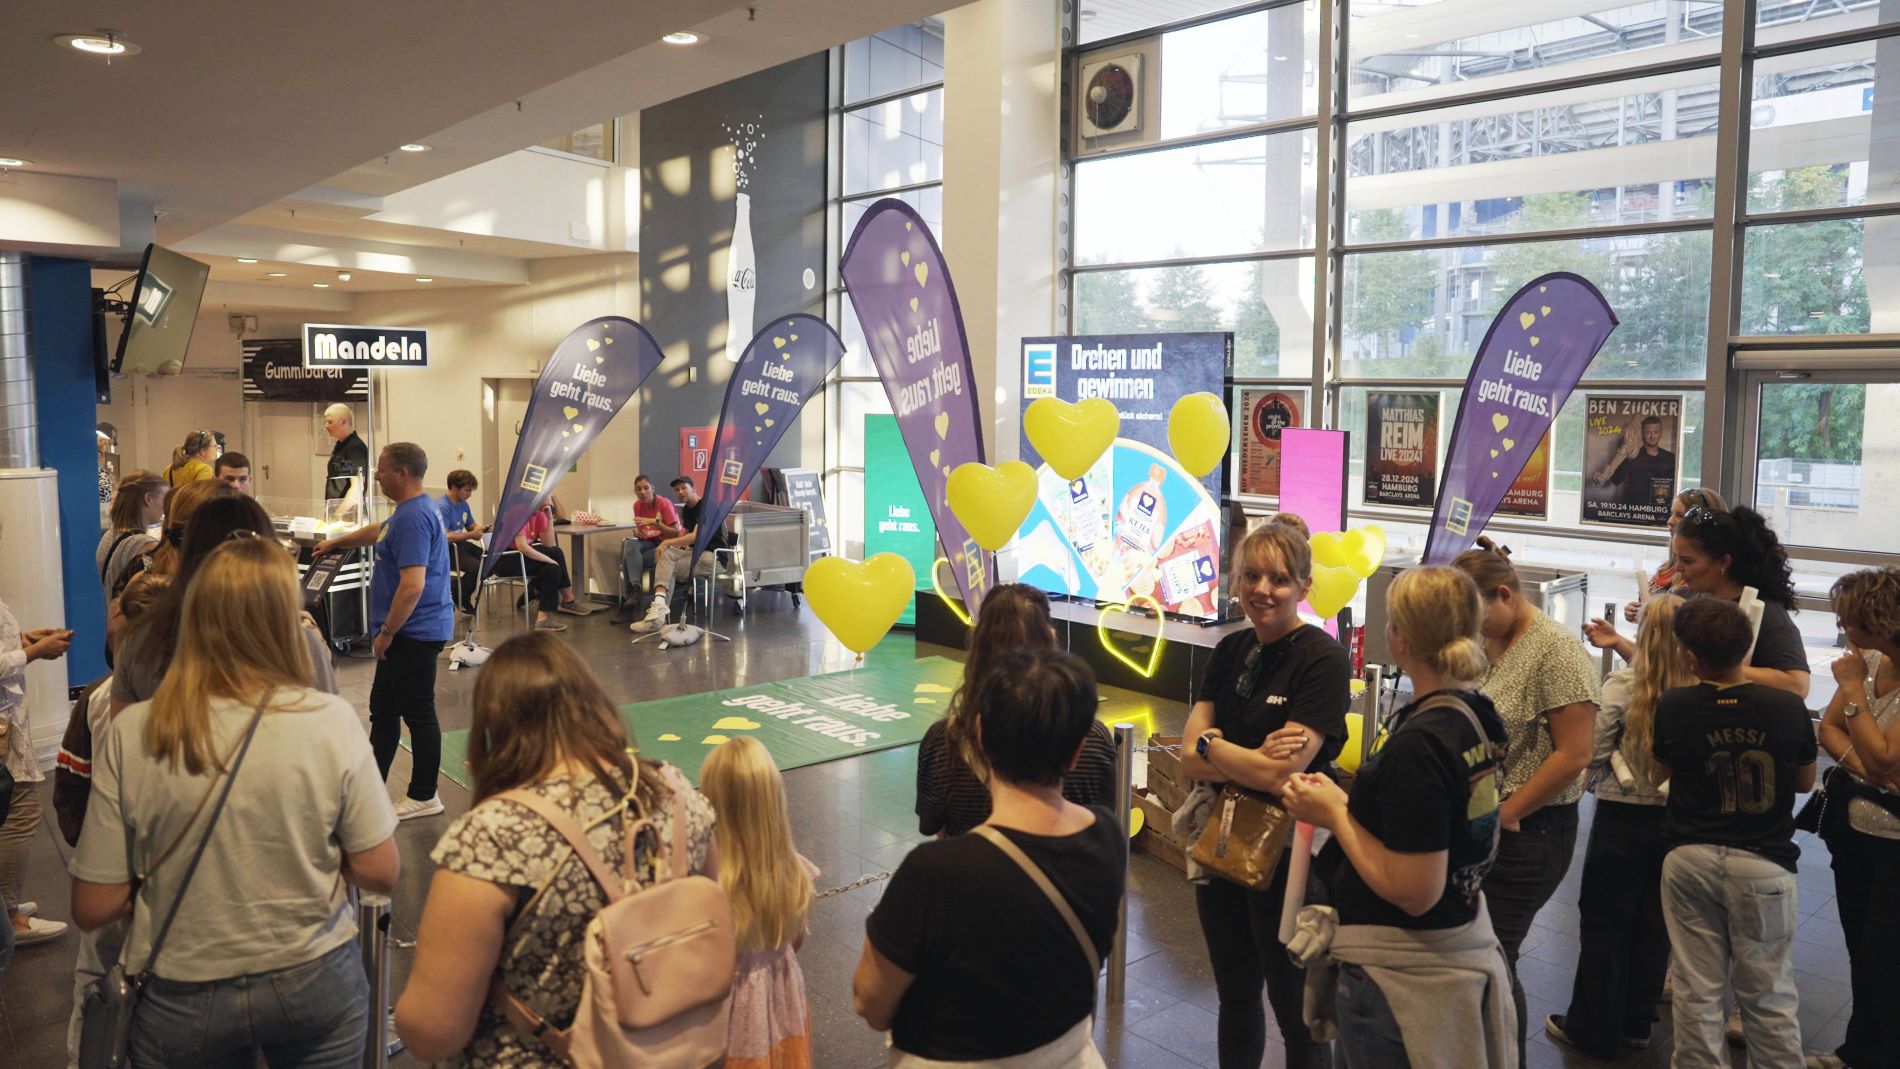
(163, 312)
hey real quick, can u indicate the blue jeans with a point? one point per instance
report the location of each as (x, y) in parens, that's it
(311, 1016)
(1368, 1033)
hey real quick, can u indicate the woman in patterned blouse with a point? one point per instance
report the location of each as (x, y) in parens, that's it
(509, 894)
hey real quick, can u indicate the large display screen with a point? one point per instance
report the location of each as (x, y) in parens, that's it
(1135, 528)
(163, 312)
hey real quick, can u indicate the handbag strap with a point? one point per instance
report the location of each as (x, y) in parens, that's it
(217, 810)
(1034, 872)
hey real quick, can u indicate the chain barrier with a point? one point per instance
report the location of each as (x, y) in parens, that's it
(1170, 748)
(854, 885)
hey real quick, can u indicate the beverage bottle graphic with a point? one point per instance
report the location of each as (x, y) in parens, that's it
(741, 281)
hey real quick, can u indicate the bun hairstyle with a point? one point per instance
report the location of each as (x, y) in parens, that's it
(1282, 540)
(1489, 566)
(1438, 611)
(1870, 600)
(1755, 555)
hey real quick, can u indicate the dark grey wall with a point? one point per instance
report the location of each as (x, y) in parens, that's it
(681, 230)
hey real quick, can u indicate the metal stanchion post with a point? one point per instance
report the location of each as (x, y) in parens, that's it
(372, 936)
(1124, 805)
(1609, 652)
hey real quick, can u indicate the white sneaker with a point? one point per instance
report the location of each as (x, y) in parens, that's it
(38, 931)
(654, 619)
(410, 808)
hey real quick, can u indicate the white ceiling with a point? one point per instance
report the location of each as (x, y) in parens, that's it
(234, 105)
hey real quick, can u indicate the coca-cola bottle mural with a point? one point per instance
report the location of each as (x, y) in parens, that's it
(742, 274)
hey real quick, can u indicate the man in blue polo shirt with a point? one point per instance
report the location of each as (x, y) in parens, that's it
(413, 615)
(465, 535)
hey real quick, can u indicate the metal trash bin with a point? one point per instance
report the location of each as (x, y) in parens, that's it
(1561, 593)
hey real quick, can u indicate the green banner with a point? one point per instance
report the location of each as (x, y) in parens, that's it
(801, 721)
(896, 517)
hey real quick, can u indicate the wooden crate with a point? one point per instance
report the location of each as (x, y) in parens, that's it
(1157, 835)
(1165, 781)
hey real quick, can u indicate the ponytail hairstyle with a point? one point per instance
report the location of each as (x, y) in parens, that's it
(1438, 611)
(128, 502)
(759, 868)
(1490, 567)
(196, 442)
(1660, 664)
(1013, 616)
(1755, 555)
(179, 505)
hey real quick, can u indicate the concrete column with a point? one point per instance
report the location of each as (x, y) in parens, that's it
(1002, 164)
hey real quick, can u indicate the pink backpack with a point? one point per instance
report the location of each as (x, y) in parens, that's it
(659, 961)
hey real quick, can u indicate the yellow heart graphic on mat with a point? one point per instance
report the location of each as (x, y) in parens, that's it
(1071, 438)
(932, 688)
(1103, 634)
(669, 737)
(713, 740)
(570, 411)
(735, 723)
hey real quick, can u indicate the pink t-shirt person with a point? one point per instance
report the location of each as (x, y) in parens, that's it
(646, 515)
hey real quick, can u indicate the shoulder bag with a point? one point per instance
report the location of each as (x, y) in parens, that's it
(1245, 837)
(110, 1004)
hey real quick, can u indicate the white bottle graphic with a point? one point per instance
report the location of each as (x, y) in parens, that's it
(742, 274)
(741, 282)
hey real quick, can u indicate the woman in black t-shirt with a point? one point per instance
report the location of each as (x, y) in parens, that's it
(1272, 703)
(965, 958)
(1719, 553)
(951, 797)
(1412, 844)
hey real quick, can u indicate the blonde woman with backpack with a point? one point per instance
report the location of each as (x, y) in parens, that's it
(770, 887)
(1625, 945)
(512, 900)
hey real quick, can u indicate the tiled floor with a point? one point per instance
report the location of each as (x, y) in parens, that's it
(854, 818)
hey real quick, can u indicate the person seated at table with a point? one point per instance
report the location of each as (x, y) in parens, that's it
(465, 535)
(546, 568)
(675, 554)
(656, 521)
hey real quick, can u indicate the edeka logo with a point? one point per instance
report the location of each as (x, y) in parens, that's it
(1039, 371)
(337, 345)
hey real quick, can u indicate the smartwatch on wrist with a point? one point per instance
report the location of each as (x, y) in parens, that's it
(1201, 744)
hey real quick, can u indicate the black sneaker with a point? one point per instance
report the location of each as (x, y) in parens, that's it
(1636, 1042)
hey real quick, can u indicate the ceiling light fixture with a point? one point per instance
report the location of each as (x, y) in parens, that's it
(413, 147)
(13, 161)
(320, 285)
(276, 274)
(682, 37)
(424, 278)
(342, 276)
(247, 259)
(99, 43)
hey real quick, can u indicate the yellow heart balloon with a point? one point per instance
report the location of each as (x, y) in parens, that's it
(1365, 549)
(1136, 819)
(1072, 437)
(1348, 758)
(1332, 590)
(859, 602)
(991, 502)
(1198, 432)
(1329, 549)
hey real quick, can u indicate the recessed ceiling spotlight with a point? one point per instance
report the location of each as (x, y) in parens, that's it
(320, 285)
(413, 147)
(342, 276)
(247, 259)
(683, 37)
(424, 278)
(276, 274)
(99, 43)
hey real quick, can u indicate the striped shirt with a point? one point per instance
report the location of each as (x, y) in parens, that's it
(951, 800)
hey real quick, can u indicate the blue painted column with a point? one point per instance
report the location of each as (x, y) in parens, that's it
(68, 415)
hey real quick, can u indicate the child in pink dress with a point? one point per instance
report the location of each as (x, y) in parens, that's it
(770, 887)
